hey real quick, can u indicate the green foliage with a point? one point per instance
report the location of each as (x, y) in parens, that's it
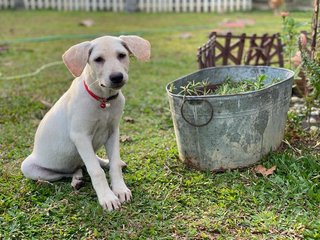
(228, 86)
(290, 36)
(312, 69)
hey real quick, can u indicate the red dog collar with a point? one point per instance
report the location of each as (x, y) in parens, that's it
(103, 101)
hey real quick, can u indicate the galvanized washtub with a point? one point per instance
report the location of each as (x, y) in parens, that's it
(231, 131)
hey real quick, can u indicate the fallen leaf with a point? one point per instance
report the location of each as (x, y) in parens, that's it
(128, 119)
(46, 103)
(125, 138)
(185, 35)
(317, 144)
(87, 23)
(291, 147)
(264, 171)
(42, 182)
(4, 48)
(8, 64)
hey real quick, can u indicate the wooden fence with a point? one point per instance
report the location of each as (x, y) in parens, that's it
(143, 5)
(227, 49)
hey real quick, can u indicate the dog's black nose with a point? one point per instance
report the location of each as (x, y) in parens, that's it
(116, 77)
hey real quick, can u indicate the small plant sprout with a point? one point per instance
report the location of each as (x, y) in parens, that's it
(172, 88)
(190, 89)
(259, 84)
(206, 87)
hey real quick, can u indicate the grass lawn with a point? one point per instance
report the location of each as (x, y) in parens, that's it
(170, 201)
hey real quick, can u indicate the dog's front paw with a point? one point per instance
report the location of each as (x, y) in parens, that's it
(109, 201)
(122, 192)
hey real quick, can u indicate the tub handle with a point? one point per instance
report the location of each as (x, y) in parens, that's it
(194, 124)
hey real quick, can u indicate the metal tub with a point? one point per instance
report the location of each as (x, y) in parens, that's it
(231, 131)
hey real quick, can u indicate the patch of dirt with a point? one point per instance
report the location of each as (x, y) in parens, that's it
(240, 23)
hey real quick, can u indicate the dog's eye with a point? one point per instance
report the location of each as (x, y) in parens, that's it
(99, 60)
(121, 55)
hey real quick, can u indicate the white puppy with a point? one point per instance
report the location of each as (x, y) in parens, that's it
(87, 117)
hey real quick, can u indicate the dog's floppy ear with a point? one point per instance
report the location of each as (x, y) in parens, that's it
(139, 47)
(76, 58)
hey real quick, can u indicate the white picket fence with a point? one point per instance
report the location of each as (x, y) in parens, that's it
(194, 5)
(144, 5)
(6, 4)
(75, 5)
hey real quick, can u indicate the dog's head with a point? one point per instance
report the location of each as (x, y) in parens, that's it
(106, 58)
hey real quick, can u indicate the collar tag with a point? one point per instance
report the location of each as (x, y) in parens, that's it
(104, 104)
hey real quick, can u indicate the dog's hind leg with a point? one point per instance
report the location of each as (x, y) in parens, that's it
(77, 182)
(104, 163)
(35, 172)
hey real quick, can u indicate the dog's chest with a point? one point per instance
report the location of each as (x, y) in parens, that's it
(101, 131)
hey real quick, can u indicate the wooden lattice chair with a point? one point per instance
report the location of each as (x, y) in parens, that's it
(229, 49)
